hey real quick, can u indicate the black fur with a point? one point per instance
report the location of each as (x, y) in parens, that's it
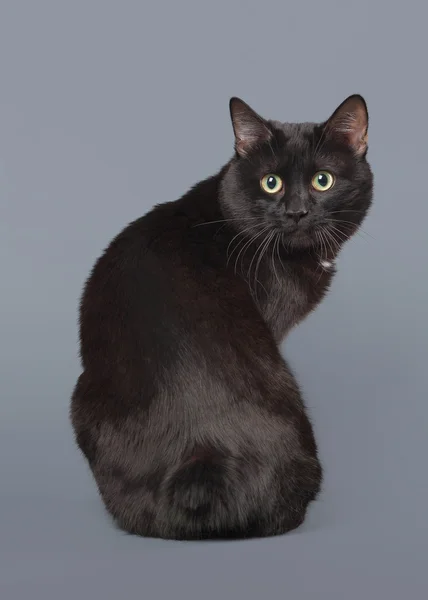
(190, 419)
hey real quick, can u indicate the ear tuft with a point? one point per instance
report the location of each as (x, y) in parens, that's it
(349, 124)
(250, 129)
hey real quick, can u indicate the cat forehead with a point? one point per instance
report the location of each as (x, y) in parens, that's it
(293, 144)
(298, 137)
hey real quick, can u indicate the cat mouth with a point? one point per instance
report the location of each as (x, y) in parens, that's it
(297, 230)
(292, 230)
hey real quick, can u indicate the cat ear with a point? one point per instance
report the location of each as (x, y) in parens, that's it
(349, 124)
(250, 129)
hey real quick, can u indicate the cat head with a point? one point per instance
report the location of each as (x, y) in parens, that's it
(309, 182)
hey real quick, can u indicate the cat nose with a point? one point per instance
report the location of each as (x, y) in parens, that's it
(296, 215)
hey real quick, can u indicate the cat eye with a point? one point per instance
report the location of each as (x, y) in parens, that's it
(322, 181)
(271, 184)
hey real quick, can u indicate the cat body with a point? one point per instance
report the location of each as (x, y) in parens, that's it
(190, 419)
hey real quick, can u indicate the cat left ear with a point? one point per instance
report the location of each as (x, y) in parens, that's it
(250, 129)
(349, 124)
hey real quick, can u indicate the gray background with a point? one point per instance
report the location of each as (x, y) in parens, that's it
(109, 107)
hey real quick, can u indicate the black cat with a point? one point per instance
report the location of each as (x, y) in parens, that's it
(191, 421)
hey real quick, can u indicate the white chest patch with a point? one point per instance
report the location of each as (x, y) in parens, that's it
(326, 264)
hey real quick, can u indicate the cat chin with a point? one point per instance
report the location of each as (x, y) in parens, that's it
(299, 241)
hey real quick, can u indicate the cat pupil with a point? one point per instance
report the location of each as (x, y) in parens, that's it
(322, 180)
(271, 182)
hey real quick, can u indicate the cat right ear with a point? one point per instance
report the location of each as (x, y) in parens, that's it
(250, 129)
(349, 124)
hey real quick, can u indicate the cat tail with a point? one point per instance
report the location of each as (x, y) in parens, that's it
(201, 485)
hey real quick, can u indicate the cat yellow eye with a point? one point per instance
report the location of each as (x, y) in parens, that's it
(322, 181)
(271, 184)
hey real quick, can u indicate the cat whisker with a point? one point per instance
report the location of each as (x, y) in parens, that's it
(321, 141)
(247, 245)
(340, 234)
(236, 246)
(323, 245)
(255, 254)
(335, 239)
(358, 229)
(272, 150)
(350, 229)
(262, 253)
(319, 266)
(339, 240)
(279, 240)
(239, 219)
(332, 244)
(347, 210)
(275, 244)
(240, 233)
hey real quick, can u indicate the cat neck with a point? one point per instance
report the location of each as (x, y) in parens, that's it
(291, 290)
